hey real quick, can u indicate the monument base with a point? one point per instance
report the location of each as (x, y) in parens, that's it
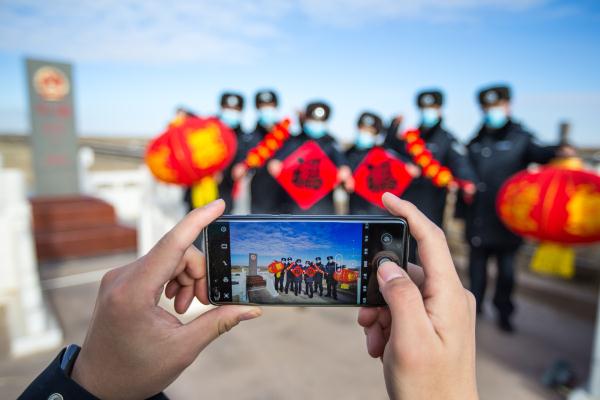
(255, 281)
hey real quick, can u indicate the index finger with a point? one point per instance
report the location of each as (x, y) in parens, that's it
(162, 261)
(433, 248)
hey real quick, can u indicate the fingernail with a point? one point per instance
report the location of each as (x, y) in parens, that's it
(250, 315)
(389, 271)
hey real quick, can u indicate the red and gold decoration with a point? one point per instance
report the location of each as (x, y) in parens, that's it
(296, 271)
(380, 172)
(191, 149)
(269, 145)
(432, 169)
(558, 205)
(345, 277)
(308, 175)
(275, 268)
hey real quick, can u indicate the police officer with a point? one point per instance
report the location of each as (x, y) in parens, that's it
(500, 148)
(369, 133)
(309, 277)
(230, 113)
(297, 276)
(289, 277)
(319, 276)
(279, 279)
(265, 192)
(331, 283)
(314, 127)
(444, 148)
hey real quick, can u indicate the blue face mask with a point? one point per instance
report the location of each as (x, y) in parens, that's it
(231, 117)
(267, 116)
(364, 140)
(495, 117)
(429, 117)
(315, 129)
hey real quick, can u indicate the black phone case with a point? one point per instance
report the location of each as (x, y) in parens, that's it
(290, 217)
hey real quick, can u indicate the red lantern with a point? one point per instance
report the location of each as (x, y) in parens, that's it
(553, 204)
(557, 204)
(345, 275)
(190, 149)
(275, 267)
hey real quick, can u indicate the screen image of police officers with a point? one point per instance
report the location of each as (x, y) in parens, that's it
(500, 148)
(330, 268)
(230, 113)
(319, 276)
(314, 122)
(369, 135)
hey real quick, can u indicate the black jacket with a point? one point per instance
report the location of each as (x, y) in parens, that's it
(266, 195)
(226, 185)
(431, 199)
(330, 147)
(496, 155)
(357, 204)
(53, 380)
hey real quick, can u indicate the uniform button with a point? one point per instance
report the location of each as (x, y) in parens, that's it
(486, 152)
(481, 187)
(55, 396)
(476, 241)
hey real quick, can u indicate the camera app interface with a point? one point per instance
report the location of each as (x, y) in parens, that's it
(286, 262)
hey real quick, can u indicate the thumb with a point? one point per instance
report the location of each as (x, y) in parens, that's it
(205, 328)
(409, 317)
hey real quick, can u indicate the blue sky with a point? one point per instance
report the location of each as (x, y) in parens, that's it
(135, 61)
(273, 240)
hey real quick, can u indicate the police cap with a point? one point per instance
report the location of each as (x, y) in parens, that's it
(429, 98)
(491, 95)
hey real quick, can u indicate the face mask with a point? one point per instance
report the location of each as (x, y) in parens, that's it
(315, 129)
(495, 117)
(231, 117)
(267, 116)
(364, 140)
(429, 117)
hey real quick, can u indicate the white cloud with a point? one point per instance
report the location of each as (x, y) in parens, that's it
(221, 32)
(132, 31)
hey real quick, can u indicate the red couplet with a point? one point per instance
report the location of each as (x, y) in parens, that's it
(308, 175)
(380, 172)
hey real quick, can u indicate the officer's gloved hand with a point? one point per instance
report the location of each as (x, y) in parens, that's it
(426, 335)
(134, 348)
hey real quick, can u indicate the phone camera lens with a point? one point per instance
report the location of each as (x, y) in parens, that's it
(386, 238)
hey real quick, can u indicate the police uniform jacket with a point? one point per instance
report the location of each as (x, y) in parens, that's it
(496, 155)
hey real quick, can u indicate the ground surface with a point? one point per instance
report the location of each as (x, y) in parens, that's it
(306, 353)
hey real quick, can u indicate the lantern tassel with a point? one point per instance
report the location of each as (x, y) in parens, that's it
(204, 191)
(554, 259)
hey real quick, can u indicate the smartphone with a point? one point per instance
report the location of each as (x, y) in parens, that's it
(301, 260)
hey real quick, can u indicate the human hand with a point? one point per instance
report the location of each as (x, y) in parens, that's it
(274, 167)
(426, 335)
(344, 175)
(413, 170)
(134, 348)
(238, 171)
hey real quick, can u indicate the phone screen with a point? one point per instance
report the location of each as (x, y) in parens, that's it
(300, 261)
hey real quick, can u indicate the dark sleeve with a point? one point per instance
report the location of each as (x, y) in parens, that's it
(54, 381)
(458, 162)
(538, 153)
(336, 155)
(288, 147)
